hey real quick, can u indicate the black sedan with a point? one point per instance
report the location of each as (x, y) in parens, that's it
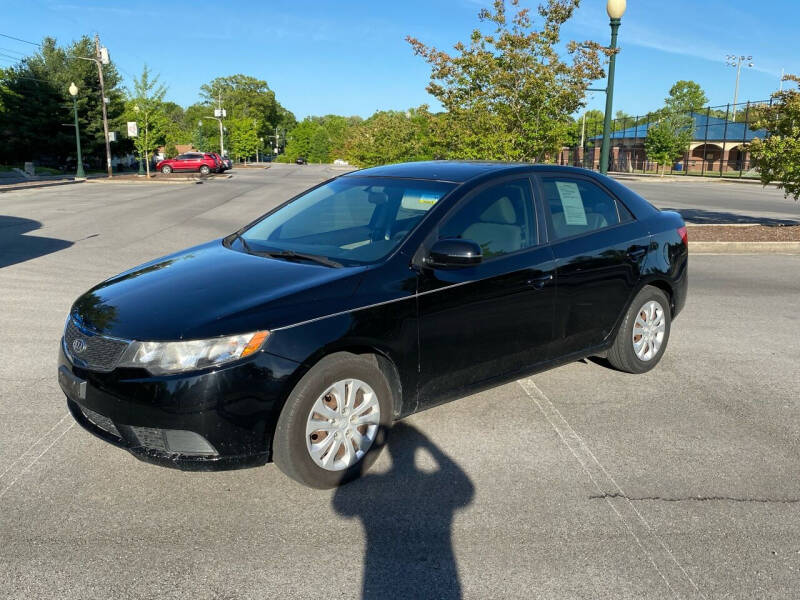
(301, 337)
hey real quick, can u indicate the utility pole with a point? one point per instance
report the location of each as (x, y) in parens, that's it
(101, 58)
(219, 112)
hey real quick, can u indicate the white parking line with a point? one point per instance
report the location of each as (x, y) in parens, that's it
(679, 582)
(20, 466)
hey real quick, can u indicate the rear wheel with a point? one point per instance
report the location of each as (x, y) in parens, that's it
(335, 421)
(166, 169)
(642, 337)
(204, 170)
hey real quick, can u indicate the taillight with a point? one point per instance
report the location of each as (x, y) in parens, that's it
(684, 235)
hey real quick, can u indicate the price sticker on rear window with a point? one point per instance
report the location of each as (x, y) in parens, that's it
(571, 201)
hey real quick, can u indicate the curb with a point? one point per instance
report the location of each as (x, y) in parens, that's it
(744, 247)
(696, 178)
(15, 187)
(145, 181)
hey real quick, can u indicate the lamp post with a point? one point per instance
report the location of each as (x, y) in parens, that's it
(141, 164)
(615, 10)
(73, 91)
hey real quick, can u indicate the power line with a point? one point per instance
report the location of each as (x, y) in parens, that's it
(11, 37)
(16, 58)
(13, 51)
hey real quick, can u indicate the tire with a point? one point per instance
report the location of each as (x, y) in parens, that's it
(166, 169)
(623, 354)
(292, 445)
(204, 170)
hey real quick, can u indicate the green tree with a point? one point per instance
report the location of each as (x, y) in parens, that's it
(393, 136)
(243, 137)
(778, 156)
(509, 94)
(243, 96)
(590, 124)
(34, 97)
(299, 140)
(685, 96)
(668, 139)
(146, 107)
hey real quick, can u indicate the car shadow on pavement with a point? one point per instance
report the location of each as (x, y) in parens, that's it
(707, 217)
(407, 514)
(16, 247)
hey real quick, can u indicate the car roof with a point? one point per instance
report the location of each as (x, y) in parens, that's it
(456, 171)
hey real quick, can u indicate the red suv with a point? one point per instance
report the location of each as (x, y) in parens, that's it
(190, 161)
(221, 166)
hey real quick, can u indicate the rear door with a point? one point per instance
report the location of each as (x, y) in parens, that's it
(599, 250)
(486, 321)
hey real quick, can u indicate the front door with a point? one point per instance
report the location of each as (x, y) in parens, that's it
(493, 319)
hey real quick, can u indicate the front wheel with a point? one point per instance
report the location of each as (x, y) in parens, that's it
(335, 421)
(204, 170)
(642, 337)
(166, 169)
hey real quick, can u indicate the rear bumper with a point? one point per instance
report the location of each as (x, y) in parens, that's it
(208, 420)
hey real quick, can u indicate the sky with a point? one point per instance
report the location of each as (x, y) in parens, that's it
(351, 58)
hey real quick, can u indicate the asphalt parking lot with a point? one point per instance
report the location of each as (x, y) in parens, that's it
(581, 482)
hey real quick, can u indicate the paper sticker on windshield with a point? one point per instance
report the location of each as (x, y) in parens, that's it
(414, 200)
(574, 213)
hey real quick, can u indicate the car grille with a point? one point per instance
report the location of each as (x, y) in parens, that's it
(102, 422)
(99, 353)
(149, 437)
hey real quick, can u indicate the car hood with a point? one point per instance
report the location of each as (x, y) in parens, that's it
(211, 290)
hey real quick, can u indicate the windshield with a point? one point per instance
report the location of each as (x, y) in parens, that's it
(353, 220)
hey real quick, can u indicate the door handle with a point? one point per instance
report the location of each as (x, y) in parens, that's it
(540, 281)
(637, 251)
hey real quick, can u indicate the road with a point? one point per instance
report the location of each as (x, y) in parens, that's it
(717, 202)
(581, 482)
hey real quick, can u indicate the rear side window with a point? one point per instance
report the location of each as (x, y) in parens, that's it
(577, 206)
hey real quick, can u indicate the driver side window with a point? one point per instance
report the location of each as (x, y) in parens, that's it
(499, 219)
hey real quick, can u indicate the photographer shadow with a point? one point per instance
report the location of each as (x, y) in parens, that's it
(407, 515)
(17, 247)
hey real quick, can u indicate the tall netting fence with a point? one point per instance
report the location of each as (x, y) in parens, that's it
(720, 137)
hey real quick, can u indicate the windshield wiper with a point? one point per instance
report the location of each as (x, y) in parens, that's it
(289, 254)
(292, 255)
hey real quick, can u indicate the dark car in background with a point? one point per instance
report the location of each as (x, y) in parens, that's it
(301, 337)
(301, 160)
(201, 162)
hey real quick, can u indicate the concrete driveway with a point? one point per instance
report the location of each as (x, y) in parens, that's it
(581, 482)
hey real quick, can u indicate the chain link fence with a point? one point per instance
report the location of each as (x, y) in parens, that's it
(719, 144)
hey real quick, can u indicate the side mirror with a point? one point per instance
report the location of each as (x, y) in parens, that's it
(452, 253)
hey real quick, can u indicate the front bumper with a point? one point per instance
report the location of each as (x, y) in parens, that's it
(206, 420)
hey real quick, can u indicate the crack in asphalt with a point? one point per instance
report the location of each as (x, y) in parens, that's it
(696, 499)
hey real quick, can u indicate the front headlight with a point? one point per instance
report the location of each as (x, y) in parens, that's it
(162, 358)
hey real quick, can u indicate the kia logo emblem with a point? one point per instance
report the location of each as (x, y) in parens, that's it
(78, 346)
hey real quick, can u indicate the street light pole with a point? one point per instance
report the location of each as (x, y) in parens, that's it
(141, 164)
(615, 10)
(73, 91)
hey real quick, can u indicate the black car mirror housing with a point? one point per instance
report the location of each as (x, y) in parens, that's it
(453, 253)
